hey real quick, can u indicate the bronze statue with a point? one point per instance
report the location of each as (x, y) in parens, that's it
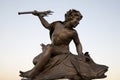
(56, 61)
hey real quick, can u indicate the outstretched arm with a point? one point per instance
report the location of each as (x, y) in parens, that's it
(44, 22)
(77, 43)
(42, 19)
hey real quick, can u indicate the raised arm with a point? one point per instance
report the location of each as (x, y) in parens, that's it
(42, 19)
(44, 22)
(77, 43)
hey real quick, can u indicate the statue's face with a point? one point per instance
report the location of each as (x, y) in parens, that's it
(75, 18)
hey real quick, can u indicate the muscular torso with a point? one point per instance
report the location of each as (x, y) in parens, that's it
(61, 36)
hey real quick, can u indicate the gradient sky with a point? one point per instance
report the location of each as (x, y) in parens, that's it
(21, 36)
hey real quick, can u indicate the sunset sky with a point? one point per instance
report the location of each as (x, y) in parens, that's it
(21, 35)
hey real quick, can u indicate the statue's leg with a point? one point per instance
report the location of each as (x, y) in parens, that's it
(40, 64)
(35, 60)
(42, 60)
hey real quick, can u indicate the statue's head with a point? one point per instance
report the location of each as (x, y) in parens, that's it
(72, 17)
(72, 13)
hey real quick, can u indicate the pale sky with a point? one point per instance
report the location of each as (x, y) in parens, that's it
(21, 36)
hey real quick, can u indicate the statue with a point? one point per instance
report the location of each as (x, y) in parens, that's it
(56, 61)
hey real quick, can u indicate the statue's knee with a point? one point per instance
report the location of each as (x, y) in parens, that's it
(35, 61)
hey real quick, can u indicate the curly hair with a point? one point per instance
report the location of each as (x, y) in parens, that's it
(70, 12)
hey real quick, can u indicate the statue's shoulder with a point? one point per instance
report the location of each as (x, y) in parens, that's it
(55, 22)
(52, 27)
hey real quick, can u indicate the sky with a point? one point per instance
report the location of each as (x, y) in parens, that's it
(21, 35)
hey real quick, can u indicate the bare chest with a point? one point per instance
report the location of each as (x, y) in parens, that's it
(61, 35)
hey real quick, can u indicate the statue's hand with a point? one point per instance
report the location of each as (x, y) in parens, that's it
(48, 12)
(35, 13)
(42, 14)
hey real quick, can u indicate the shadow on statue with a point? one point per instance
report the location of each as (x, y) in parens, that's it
(56, 61)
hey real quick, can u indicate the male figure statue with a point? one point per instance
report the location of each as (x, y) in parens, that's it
(61, 34)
